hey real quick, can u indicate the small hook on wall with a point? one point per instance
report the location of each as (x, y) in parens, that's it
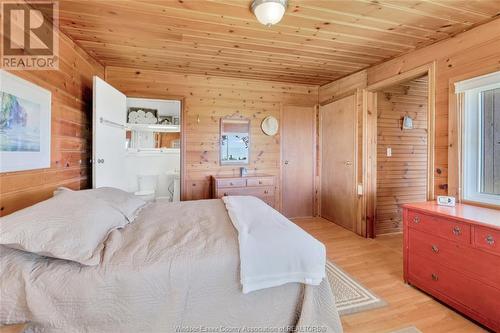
(198, 119)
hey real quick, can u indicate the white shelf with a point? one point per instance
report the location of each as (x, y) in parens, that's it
(153, 127)
(153, 151)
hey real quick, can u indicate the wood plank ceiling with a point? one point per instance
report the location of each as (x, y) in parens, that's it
(316, 42)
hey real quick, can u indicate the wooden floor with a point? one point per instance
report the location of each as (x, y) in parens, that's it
(378, 265)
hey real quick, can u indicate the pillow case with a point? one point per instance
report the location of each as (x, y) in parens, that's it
(71, 225)
(127, 203)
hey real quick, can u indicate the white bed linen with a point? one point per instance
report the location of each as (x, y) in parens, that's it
(273, 250)
(176, 265)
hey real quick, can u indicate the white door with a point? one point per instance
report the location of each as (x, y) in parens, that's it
(109, 117)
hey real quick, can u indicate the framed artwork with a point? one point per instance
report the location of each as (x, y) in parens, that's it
(25, 118)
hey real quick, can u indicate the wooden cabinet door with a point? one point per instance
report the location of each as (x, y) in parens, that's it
(298, 139)
(338, 167)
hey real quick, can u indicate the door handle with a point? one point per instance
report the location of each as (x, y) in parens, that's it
(348, 163)
(286, 162)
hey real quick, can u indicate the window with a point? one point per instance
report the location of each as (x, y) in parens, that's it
(481, 138)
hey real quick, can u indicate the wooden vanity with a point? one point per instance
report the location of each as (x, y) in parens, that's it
(260, 186)
(453, 253)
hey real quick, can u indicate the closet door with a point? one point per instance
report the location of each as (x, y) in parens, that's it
(108, 145)
(298, 131)
(337, 155)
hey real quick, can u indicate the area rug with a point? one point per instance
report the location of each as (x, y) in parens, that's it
(350, 295)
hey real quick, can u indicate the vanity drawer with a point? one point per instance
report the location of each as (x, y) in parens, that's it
(254, 191)
(461, 257)
(237, 182)
(268, 181)
(487, 239)
(449, 229)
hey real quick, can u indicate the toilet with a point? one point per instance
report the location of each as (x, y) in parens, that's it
(147, 187)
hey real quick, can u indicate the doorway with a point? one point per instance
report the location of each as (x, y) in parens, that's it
(137, 143)
(401, 151)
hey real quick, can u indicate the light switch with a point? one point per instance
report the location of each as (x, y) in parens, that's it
(389, 151)
(360, 189)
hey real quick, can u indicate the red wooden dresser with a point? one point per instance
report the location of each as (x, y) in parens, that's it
(453, 253)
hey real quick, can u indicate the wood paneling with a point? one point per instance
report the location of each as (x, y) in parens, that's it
(402, 177)
(206, 100)
(472, 53)
(298, 151)
(71, 88)
(316, 42)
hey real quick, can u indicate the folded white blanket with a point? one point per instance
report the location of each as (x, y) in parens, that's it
(273, 250)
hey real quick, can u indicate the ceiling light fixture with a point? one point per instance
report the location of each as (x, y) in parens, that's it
(269, 12)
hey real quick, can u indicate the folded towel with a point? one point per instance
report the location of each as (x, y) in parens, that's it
(273, 250)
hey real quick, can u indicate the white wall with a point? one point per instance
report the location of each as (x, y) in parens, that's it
(152, 163)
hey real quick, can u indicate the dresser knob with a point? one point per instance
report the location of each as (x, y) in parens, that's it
(435, 249)
(434, 277)
(416, 219)
(490, 240)
(266, 192)
(231, 183)
(260, 182)
(457, 231)
(225, 194)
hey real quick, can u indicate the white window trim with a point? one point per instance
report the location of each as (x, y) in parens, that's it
(472, 137)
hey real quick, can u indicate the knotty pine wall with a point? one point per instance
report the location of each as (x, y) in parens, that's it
(474, 52)
(401, 178)
(71, 88)
(206, 100)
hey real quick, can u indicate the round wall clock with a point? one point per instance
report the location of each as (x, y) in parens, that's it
(270, 125)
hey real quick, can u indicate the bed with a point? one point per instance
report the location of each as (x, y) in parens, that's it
(175, 268)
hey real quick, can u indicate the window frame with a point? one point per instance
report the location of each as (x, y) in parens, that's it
(472, 137)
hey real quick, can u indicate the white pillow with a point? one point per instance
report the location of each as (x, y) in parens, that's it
(127, 203)
(72, 226)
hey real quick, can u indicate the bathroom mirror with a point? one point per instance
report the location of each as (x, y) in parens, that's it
(234, 141)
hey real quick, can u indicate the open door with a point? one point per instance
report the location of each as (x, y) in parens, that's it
(108, 145)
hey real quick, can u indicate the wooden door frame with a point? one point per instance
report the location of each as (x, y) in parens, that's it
(282, 150)
(370, 137)
(355, 93)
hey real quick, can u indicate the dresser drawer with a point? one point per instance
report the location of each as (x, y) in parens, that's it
(255, 191)
(461, 257)
(267, 181)
(455, 231)
(487, 239)
(237, 182)
(445, 283)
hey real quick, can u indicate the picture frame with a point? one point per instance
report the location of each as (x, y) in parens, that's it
(165, 120)
(407, 123)
(25, 124)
